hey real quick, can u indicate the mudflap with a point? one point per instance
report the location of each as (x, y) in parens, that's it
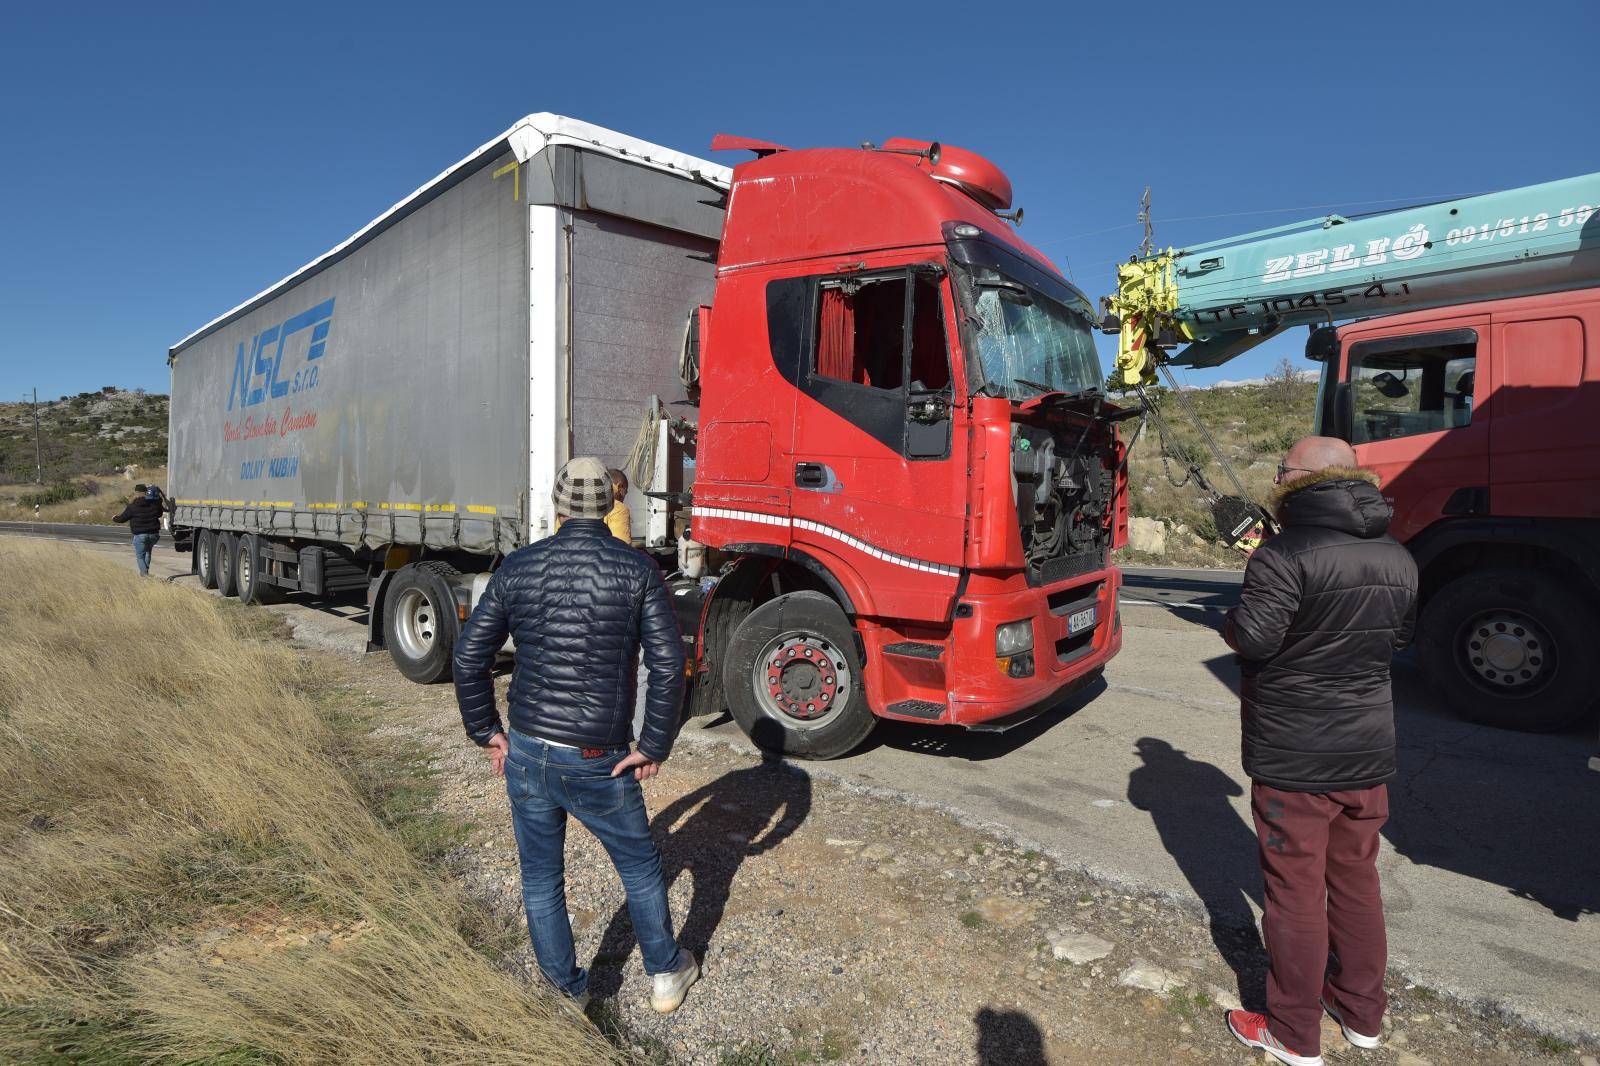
(375, 594)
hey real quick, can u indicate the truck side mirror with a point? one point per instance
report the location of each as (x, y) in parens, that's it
(1323, 344)
(1343, 412)
(928, 425)
(694, 330)
(1390, 386)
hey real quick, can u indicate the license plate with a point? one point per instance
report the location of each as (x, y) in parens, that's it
(1078, 621)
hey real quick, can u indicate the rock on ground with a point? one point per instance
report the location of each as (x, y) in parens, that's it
(1148, 976)
(1078, 948)
(1147, 535)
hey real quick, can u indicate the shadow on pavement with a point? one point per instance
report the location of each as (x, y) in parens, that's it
(1008, 1038)
(1215, 848)
(1520, 810)
(1212, 593)
(740, 814)
(957, 743)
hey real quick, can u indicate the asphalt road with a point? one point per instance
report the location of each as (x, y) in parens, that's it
(66, 531)
(1181, 588)
(1490, 861)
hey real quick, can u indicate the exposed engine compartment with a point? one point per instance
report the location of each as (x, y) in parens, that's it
(1063, 480)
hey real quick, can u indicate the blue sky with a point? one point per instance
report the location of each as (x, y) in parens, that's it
(161, 162)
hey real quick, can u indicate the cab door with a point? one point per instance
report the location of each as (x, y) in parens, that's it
(1546, 428)
(1410, 407)
(878, 465)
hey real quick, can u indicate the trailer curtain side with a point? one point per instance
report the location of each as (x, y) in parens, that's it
(382, 394)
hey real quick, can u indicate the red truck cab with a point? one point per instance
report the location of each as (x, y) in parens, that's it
(1483, 421)
(903, 450)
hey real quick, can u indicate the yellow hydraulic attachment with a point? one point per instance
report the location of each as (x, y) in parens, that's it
(1145, 300)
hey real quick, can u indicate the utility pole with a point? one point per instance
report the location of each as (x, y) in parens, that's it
(1148, 245)
(38, 443)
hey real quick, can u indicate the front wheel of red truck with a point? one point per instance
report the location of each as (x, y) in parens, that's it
(1511, 649)
(794, 680)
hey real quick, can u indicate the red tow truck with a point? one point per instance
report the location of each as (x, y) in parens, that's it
(904, 453)
(1471, 384)
(1483, 421)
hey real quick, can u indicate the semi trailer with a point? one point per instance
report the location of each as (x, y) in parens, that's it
(878, 463)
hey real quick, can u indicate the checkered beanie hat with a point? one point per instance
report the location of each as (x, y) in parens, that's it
(583, 489)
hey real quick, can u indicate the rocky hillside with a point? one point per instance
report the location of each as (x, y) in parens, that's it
(94, 447)
(92, 433)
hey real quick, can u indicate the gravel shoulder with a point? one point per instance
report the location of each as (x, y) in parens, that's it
(844, 924)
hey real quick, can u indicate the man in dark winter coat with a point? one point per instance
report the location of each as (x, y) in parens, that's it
(1325, 605)
(143, 515)
(582, 605)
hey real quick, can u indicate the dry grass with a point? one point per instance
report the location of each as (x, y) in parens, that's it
(108, 498)
(167, 778)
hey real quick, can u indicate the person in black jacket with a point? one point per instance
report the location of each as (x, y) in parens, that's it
(1325, 604)
(143, 515)
(581, 605)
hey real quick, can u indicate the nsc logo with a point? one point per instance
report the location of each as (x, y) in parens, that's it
(260, 375)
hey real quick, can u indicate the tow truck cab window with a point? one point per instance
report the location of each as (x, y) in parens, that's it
(1405, 386)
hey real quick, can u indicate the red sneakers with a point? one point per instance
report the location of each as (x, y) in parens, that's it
(1360, 1040)
(1250, 1029)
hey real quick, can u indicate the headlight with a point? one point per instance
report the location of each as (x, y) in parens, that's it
(1013, 638)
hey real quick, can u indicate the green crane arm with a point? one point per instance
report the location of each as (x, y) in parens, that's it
(1227, 296)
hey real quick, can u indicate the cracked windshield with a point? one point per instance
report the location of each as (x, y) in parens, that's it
(1031, 344)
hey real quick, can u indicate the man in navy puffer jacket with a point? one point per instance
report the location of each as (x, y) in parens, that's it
(581, 606)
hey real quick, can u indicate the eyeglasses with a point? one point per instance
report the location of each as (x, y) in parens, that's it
(1283, 471)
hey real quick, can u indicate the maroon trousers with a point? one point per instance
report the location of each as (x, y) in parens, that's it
(1319, 858)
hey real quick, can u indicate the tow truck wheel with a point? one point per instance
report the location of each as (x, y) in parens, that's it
(419, 622)
(1510, 649)
(205, 558)
(794, 680)
(224, 559)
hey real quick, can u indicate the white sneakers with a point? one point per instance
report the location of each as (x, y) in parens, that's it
(1359, 1040)
(668, 989)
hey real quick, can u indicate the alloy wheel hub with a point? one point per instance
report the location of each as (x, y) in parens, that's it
(1507, 649)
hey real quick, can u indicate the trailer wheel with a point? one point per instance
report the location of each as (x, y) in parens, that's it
(250, 573)
(225, 561)
(419, 621)
(794, 680)
(1511, 649)
(205, 558)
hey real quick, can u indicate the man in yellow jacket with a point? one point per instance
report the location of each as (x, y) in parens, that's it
(619, 520)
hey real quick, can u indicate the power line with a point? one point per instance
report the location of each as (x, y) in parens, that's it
(1413, 201)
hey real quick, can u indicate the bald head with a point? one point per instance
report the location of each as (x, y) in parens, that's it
(1312, 454)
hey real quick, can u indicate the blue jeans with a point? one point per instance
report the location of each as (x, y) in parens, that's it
(143, 545)
(546, 783)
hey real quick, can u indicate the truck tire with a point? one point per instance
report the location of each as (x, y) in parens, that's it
(205, 558)
(250, 573)
(1511, 649)
(794, 680)
(419, 621)
(224, 560)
